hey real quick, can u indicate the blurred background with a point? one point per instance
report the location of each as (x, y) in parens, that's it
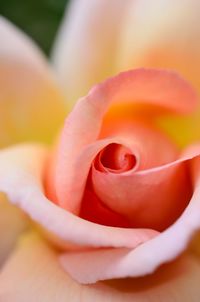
(38, 18)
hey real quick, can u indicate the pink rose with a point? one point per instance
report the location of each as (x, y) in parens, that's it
(118, 195)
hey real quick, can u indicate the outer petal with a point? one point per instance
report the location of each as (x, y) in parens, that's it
(86, 45)
(31, 104)
(164, 34)
(34, 274)
(12, 223)
(21, 170)
(21, 178)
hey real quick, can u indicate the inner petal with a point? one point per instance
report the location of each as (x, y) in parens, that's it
(153, 192)
(143, 138)
(115, 158)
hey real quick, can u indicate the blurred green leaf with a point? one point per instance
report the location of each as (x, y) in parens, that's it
(38, 18)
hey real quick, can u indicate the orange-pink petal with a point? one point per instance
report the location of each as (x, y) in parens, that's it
(21, 176)
(161, 89)
(145, 258)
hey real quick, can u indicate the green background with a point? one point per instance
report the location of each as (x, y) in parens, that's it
(38, 18)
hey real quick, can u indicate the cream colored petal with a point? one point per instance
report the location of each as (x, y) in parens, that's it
(165, 34)
(33, 274)
(31, 105)
(12, 223)
(85, 48)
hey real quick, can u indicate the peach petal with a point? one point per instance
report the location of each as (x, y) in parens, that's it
(146, 198)
(142, 133)
(94, 210)
(145, 258)
(33, 273)
(163, 90)
(82, 28)
(24, 188)
(29, 95)
(21, 178)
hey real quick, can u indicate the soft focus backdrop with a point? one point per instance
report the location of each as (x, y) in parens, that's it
(39, 18)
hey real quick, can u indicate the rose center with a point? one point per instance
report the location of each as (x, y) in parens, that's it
(115, 158)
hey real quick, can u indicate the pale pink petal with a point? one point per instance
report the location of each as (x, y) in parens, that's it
(33, 274)
(162, 90)
(86, 45)
(21, 174)
(12, 223)
(21, 178)
(31, 105)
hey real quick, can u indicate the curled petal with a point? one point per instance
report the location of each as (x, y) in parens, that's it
(147, 257)
(151, 198)
(161, 90)
(21, 178)
(165, 34)
(21, 175)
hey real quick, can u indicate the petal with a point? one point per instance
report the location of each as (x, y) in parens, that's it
(33, 273)
(12, 223)
(147, 257)
(21, 178)
(152, 198)
(164, 92)
(85, 47)
(29, 95)
(165, 34)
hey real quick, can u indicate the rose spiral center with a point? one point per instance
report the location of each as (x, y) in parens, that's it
(115, 158)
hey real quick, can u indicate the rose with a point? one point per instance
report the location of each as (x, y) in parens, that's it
(16, 194)
(104, 175)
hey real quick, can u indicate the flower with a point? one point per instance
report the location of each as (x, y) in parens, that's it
(76, 192)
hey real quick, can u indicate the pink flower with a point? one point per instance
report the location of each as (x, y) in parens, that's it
(118, 194)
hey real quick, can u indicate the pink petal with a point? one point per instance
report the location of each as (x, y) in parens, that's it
(29, 96)
(163, 90)
(21, 178)
(21, 174)
(91, 266)
(152, 198)
(33, 274)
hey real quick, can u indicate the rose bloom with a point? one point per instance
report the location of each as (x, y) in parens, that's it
(110, 210)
